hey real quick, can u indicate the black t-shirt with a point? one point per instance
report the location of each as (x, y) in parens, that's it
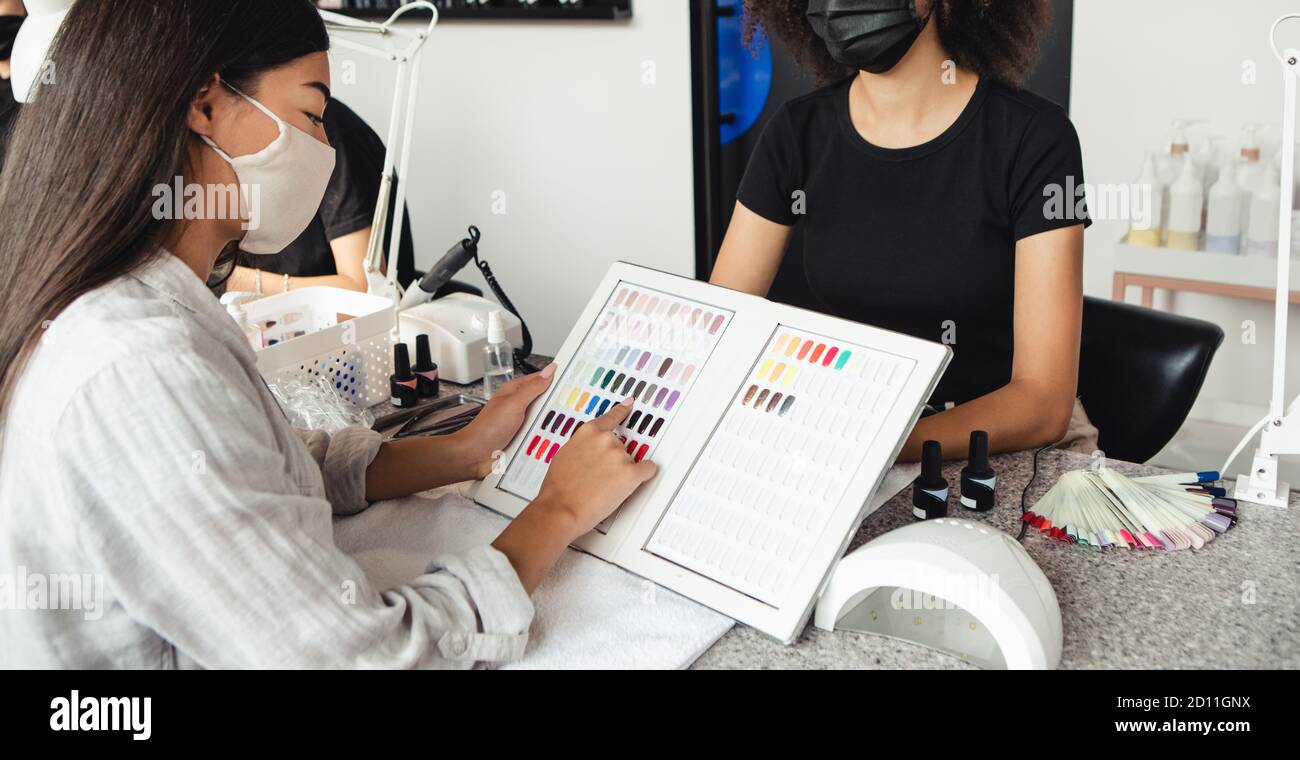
(921, 240)
(349, 204)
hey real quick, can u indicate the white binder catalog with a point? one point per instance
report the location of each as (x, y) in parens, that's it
(771, 427)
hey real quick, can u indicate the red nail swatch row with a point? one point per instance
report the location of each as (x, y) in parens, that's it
(638, 452)
(546, 451)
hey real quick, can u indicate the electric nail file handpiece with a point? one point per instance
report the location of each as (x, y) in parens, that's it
(930, 490)
(978, 481)
(454, 260)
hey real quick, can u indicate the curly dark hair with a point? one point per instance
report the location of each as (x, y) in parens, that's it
(997, 39)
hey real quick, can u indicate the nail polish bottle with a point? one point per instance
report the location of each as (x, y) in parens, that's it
(403, 385)
(426, 372)
(978, 480)
(930, 490)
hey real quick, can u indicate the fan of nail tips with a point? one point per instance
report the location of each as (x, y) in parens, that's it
(1106, 510)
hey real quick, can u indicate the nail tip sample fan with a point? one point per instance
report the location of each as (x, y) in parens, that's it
(1104, 509)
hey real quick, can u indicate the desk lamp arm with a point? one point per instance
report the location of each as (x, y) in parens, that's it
(401, 122)
(1280, 430)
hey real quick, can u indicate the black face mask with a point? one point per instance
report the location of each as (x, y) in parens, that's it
(8, 33)
(871, 35)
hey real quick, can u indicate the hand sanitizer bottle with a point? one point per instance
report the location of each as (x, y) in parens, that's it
(498, 357)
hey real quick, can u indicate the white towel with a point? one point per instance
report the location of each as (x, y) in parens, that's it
(590, 614)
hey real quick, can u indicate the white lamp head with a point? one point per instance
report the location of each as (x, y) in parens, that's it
(956, 586)
(44, 17)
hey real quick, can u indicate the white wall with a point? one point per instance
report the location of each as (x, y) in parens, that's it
(1137, 66)
(593, 162)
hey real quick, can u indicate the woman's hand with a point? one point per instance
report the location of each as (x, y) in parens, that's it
(499, 421)
(589, 478)
(593, 474)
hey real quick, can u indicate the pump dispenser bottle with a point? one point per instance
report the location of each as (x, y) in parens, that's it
(1186, 197)
(1147, 232)
(1250, 171)
(1264, 201)
(1223, 213)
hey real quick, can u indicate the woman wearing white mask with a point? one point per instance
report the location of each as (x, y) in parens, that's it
(140, 447)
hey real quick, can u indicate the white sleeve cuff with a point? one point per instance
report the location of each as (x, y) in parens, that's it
(504, 609)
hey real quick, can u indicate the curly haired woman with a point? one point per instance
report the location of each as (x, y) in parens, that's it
(935, 197)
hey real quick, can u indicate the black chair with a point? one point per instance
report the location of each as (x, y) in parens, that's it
(1140, 371)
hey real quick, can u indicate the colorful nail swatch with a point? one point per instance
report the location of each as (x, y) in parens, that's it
(644, 344)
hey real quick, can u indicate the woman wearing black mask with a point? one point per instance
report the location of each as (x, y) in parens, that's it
(935, 198)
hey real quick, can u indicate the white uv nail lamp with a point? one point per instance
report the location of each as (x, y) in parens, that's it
(956, 586)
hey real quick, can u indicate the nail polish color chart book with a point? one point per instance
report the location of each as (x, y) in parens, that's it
(771, 427)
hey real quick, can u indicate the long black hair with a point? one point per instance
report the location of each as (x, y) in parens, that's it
(107, 124)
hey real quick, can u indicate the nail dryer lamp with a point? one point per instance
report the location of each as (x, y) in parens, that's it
(1280, 430)
(956, 586)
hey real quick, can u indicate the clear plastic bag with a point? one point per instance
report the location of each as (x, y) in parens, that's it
(310, 403)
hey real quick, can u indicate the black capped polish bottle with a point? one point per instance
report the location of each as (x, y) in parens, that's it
(978, 480)
(930, 490)
(426, 372)
(403, 384)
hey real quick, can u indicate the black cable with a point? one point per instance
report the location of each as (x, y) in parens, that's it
(1024, 526)
(522, 353)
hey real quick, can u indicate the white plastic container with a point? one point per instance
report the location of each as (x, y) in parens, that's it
(1262, 237)
(234, 303)
(1223, 215)
(1186, 198)
(1206, 157)
(1250, 171)
(1149, 234)
(339, 334)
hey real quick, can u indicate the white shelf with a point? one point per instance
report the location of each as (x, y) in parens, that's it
(1201, 266)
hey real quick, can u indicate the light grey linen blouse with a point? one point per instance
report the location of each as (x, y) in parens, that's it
(157, 511)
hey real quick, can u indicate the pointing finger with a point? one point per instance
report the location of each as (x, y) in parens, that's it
(614, 417)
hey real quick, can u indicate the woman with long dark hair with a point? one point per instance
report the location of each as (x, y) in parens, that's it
(935, 198)
(141, 450)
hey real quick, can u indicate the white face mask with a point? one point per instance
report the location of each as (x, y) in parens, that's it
(281, 186)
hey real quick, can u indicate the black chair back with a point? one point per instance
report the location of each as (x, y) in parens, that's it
(1140, 371)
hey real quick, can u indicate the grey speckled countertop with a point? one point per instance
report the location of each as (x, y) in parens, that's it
(1233, 604)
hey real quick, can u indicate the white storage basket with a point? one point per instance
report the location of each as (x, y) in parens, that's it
(346, 337)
